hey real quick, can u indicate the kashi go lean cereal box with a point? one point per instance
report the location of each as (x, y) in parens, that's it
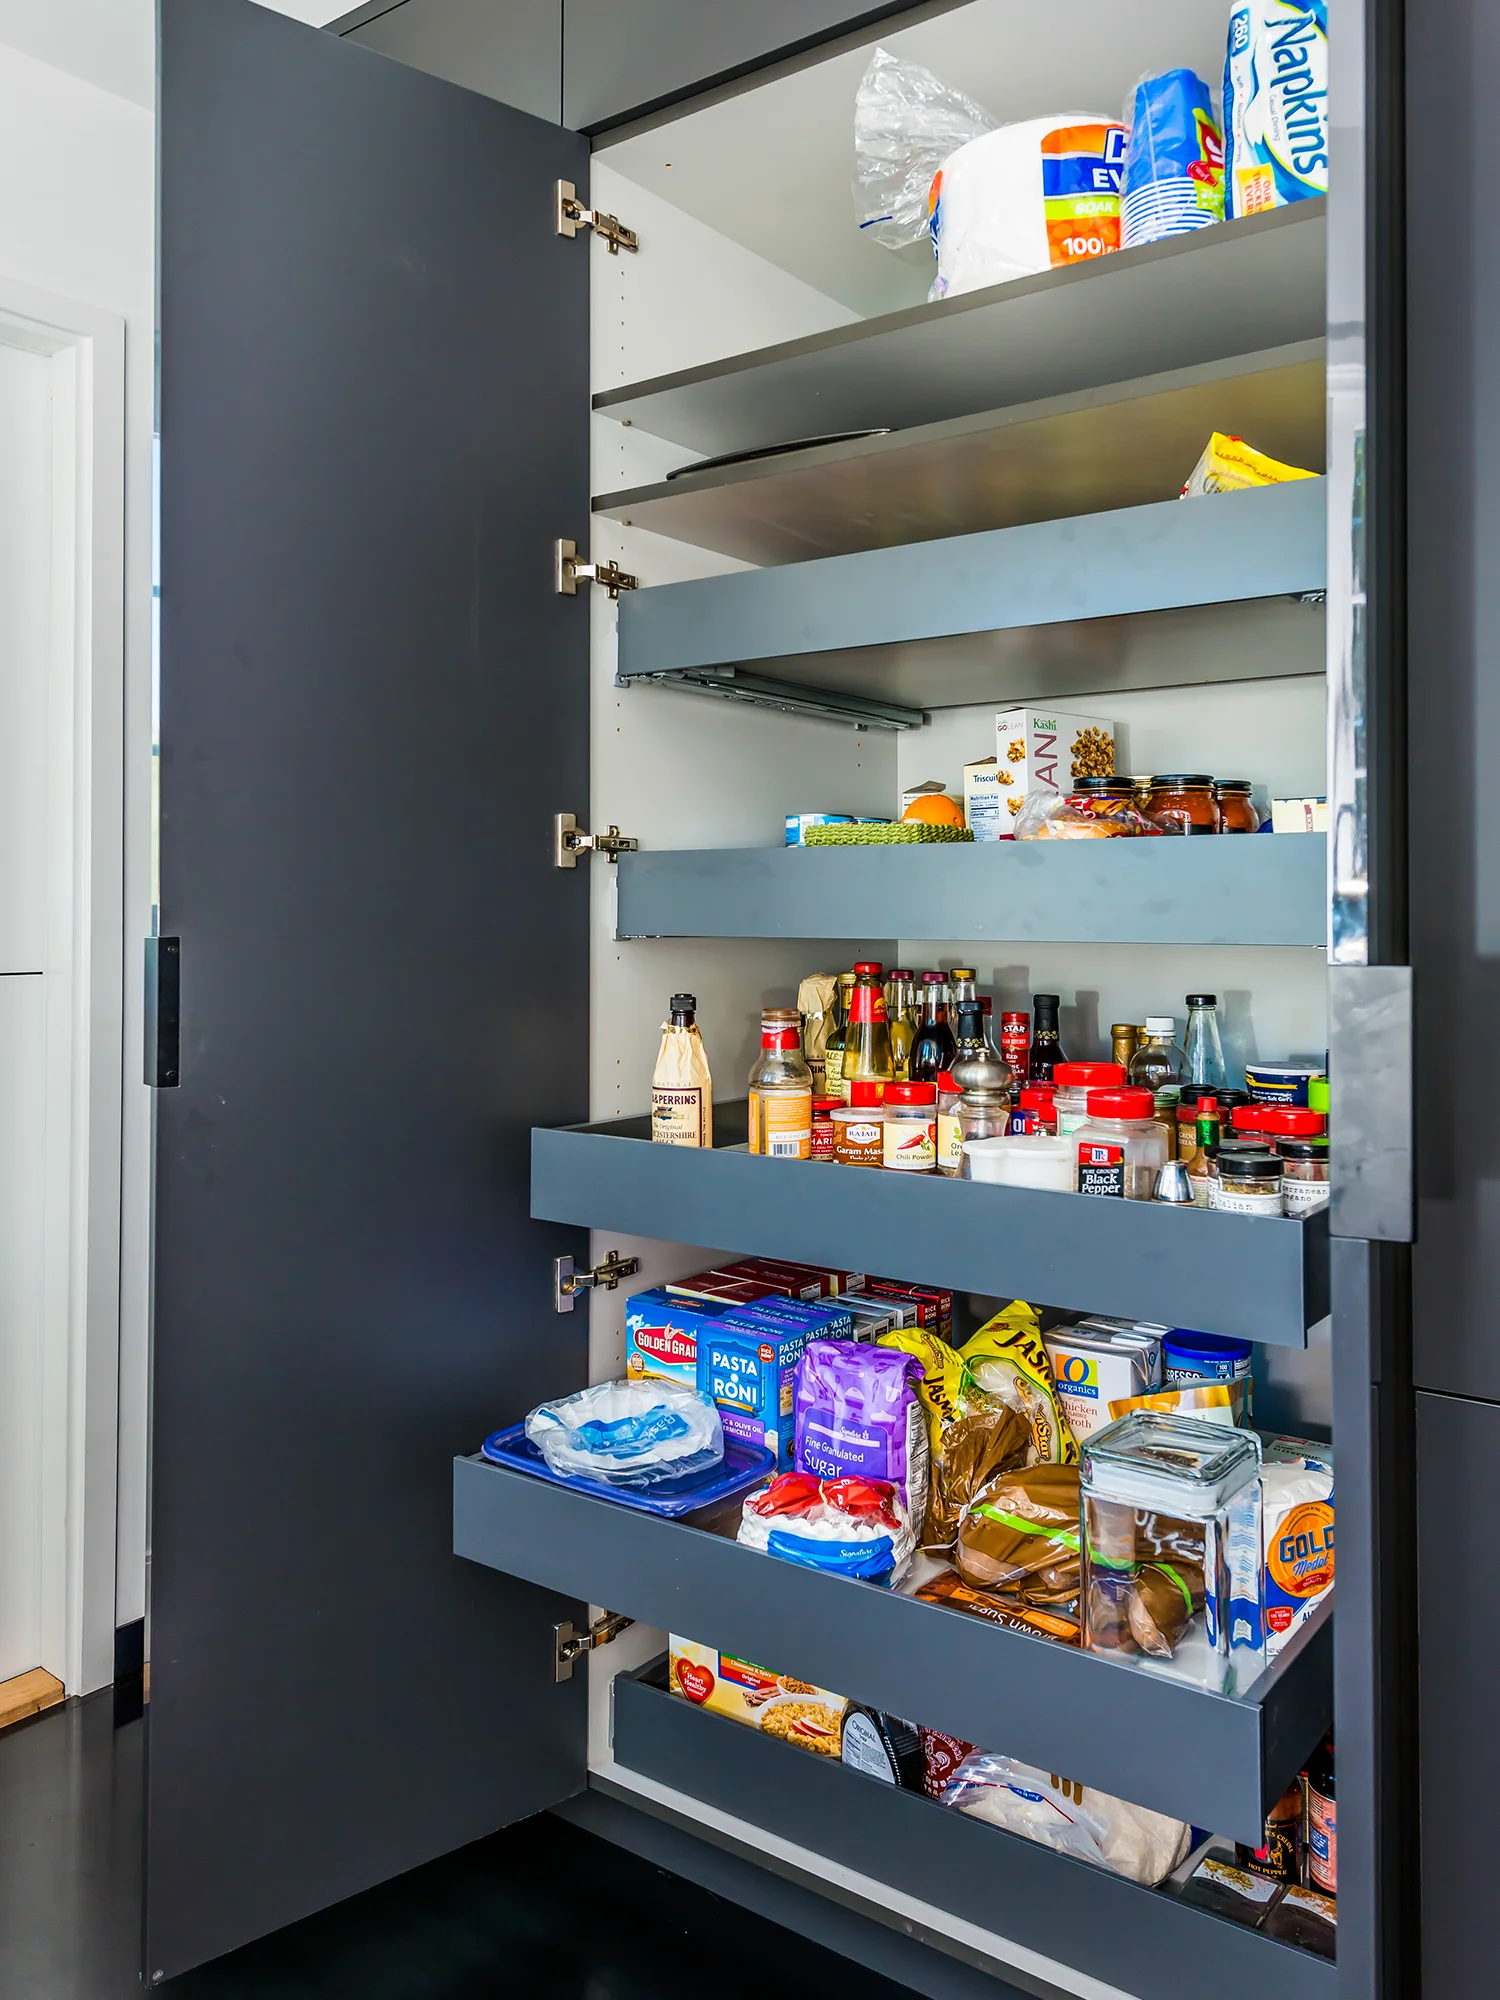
(1043, 750)
(795, 1711)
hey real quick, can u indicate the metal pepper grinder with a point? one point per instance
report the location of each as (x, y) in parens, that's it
(1174, 1184)
(984, 1081)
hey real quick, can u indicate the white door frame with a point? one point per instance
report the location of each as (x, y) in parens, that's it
(85, 805)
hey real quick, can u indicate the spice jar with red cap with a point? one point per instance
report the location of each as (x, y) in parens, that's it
(1120, 1146)
(1035, 1111)
(910, 1122)
(1074, 1081)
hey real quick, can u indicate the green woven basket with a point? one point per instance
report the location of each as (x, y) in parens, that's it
(904, 833)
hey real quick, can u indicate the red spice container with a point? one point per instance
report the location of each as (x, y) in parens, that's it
(822, 1126)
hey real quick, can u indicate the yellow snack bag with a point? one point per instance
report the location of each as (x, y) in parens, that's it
(941, 1389)
(1007, 1358)
(1228, 464)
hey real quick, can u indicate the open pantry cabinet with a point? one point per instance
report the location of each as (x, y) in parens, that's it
(1010, 535)
(994, 521)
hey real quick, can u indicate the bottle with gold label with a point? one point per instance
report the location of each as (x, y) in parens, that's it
(682, 1091)
(781, 1090)
(833, 1054)
(867, 1040)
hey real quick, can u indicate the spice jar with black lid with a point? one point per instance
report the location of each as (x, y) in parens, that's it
(1306, 1176)
(1246, 1183)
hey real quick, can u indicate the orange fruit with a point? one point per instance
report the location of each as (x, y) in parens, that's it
(935, 809)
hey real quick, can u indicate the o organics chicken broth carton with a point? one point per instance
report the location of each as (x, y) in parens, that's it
(1044, 750)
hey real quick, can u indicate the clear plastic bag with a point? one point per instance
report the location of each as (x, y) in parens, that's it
(906, 123)
(1056, 1812)
(1055, 816)
(631, 1433)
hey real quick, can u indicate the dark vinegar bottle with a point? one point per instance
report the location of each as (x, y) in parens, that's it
(934, 1049)
(1046, 1044)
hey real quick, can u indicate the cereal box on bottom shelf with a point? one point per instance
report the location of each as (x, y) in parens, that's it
(792, 1710)
(661, 1336)
(1044, 750)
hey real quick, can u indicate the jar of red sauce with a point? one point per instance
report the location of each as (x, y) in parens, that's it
(1237, 812)
(1184, 802)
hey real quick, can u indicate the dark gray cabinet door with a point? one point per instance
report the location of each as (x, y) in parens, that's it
(625, 57)
(1458, 1500)
(373, 425)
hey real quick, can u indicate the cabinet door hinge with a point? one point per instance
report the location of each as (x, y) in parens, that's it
(573, 216)
(568, 1281)
(570, 1645)
(570, 572)
(568, 842)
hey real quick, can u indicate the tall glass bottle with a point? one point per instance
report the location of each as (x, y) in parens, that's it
(781, 1089)
(833, 1054)
(963, 993)
(867, 1040)
(1046, 1042)
(1205, 1054)
(901, 1018)
(934, 1049)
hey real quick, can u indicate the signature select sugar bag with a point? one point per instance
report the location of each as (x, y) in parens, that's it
(1275, 105)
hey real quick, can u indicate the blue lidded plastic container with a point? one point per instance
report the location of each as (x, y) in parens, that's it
(1188, 1358)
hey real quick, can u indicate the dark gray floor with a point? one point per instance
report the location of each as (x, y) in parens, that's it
(543, 1907)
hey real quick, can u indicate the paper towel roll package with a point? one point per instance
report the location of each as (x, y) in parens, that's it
(1026, 198)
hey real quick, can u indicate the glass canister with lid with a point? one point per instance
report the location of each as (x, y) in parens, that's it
(1171, 1548)
(1074, 1081)
(1120, 1147)
(1183, 802)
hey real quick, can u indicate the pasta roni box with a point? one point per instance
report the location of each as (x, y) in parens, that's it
(747, 1363)
(661, 1336)
(793, 1711)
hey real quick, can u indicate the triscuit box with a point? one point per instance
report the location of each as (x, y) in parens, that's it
(1044, 750)
(983, 793)
(1299, 815)
(791, 1710)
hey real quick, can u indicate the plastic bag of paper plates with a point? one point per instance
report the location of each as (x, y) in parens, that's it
(999, 202)
(1029, 197)
(1057, 1812)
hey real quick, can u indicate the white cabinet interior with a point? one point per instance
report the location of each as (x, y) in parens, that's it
(747, 239)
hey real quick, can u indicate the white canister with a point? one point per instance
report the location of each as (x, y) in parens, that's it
(1030, 1160)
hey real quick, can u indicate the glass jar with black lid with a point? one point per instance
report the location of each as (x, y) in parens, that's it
(1183, 801)
(1237, 812)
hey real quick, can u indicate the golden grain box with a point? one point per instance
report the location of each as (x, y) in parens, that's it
(792, 1710)
(1044, 750)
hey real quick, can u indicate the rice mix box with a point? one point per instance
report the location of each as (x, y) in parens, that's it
(793, 1711)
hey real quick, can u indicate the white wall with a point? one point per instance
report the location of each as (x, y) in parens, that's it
(77, 163)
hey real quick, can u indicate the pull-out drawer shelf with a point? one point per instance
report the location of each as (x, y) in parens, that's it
(1136, 1940)
(1269, 890)
(1248, 1277)
(1217, 1761)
